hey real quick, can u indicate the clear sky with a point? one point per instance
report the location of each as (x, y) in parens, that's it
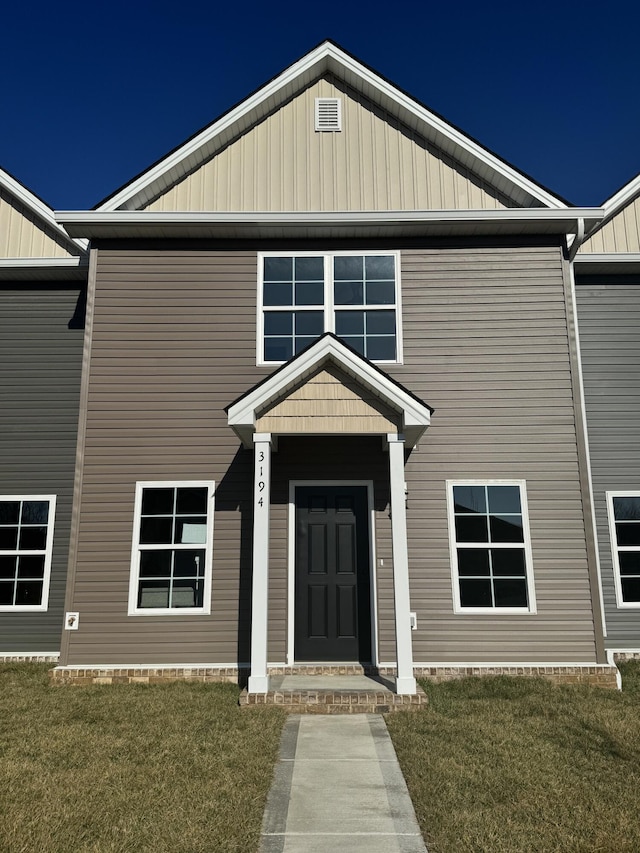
(92, 93)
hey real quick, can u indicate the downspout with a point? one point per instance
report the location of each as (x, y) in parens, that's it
(578, 240)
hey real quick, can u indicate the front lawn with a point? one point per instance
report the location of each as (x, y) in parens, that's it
(174, 768)
(506, 765)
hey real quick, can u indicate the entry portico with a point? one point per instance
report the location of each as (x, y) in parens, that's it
(330, 390)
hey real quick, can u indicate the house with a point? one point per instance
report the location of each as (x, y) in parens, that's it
(607, 272)
(331, 412)
(42, 290)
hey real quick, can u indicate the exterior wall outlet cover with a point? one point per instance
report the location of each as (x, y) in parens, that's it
(71, 621)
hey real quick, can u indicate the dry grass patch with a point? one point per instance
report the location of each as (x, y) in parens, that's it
(176, 768)
(507, 765)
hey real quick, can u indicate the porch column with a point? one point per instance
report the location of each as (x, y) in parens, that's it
(405, 681)
(259, 680)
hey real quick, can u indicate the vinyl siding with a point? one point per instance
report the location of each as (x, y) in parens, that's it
(23, 236)
(620, 234)
(609, 318)
(485, 343)
(373, 163)
(40, 364)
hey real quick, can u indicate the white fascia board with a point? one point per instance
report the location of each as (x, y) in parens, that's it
(42, 263)
(41, 210)
(241, 415)
(601, 263)
(617, 202)
(313, 64)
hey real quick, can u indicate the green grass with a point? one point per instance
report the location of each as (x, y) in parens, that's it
(506, 765)
(177, 768)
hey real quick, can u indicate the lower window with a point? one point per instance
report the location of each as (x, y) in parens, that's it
(490, 546)
(26, 542)
(172, 548)
(624, 523)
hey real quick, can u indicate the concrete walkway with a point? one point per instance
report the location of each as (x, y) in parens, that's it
(338, 787)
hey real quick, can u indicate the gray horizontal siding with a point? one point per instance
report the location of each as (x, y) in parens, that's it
(485, 342)
(608, 314)
(40, 365)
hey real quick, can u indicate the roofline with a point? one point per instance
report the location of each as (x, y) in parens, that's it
(42, 269)
(38, 207)
(322, 56)
(620, 263)
(615, 203)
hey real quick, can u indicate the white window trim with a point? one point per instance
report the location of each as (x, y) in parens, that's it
(205, 610)
(453, 550)
(329, 312)
(629, 493)
(46, 580)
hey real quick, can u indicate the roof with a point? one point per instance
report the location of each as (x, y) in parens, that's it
(329, 57)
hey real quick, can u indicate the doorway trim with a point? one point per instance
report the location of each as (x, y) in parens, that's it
(291, 562)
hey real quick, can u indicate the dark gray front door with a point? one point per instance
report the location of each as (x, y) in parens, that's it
(332, 599)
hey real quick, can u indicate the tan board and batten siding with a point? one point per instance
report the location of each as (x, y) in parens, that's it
(620, 234)
(373, 163)
(485, 343)
(22, 236)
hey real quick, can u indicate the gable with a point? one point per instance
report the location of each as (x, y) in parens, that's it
(621, 233)
(326, 403)
(374, 163)
(24, 235)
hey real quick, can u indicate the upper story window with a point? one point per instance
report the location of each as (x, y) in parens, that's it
(624, 525)
(490, 547)
(355, 296)
(26, 543)
(172, 548)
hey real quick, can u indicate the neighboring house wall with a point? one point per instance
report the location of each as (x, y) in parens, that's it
(608, 315)
(486, 342)
(620, 234)
(41, 332)
(21, 236)
(374, 163)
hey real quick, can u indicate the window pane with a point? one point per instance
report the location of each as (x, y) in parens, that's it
(29, 592)
(506, 528)
(630, 589)
(628, 533)
(189, 564)
(381, 322)
(155, 564)
(157, 501)
(469, 499)
(278, 349)
(356, 343)
(310, 294)
(348, 268)
(504, 499)
(381, 292)
(475, 593)
(309, 269)
(278, 323)
(9, 512)
(191, 531)
(629, 562)
(627, 509)
(473, 561)
(380, 266)
(8, 567)
(6, 592)
(278, 294)
(512, 593)
(508, 561)
(309, 323)
(192, 501)
(472, 528)
(381, 349)
(153, 594)
(8, 538)
(348, 293)
(278, 269)
(35, 512)
(33, 538)
(187, 593)
(31, 567)
(156, 531)
(303, 343)
(349, 323)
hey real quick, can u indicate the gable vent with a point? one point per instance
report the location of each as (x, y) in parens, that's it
(328, 114)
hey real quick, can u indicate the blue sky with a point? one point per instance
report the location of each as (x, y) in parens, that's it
(93, 93)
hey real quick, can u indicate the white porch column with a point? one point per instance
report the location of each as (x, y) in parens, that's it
(259, 680)
(405, 681)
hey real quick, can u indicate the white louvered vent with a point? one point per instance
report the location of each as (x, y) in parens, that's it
(328, 114)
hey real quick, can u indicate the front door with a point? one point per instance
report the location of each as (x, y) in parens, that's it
(332, 587)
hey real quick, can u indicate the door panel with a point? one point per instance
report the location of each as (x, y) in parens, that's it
(332, 596)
